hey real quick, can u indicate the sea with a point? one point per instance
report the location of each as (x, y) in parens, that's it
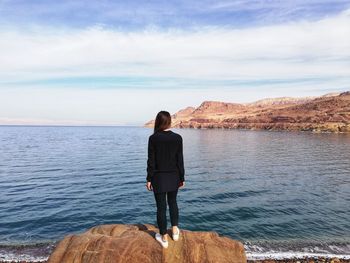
(283, 194)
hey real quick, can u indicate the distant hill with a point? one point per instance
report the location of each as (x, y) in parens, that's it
(327, 113)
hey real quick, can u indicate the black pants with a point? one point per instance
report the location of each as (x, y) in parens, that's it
(161, 210)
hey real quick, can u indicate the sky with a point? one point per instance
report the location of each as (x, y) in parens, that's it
(120, 62)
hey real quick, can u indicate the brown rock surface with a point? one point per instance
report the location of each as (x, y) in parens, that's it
(136, 243)
(327, 113)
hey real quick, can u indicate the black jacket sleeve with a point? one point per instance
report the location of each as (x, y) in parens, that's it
(180, 161)
(151, 162)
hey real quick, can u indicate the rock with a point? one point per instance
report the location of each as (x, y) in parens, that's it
(136, 243)
(345, 128)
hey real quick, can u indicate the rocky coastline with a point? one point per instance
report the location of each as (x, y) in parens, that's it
(327, 113)
(136, 243)
(289, 260)
(294, 260)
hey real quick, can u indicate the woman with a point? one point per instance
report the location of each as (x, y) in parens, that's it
(165, 174)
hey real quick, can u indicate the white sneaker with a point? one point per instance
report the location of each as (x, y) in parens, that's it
(160, 240)
(176, 235)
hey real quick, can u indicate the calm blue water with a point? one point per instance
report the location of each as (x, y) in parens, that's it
(275, 191)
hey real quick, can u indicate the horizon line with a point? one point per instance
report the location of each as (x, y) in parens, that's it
(72, 125)
(337, 93)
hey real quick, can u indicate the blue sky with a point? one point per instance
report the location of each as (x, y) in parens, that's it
(120, 62)
(136, 15)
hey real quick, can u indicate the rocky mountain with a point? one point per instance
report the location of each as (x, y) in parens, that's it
(327, 113)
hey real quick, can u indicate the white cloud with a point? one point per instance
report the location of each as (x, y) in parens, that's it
(294, 50)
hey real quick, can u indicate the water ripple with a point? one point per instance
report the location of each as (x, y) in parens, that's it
(248, 185)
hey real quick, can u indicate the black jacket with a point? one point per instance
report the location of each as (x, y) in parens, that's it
(165, 164)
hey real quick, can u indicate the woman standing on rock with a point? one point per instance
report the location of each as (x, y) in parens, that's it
(165, 174)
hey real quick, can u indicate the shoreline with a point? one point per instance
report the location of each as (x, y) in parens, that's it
(302, 260)
(26, 254)
(287, 260)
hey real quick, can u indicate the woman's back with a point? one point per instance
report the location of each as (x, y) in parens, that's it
(165, 167)
(166, 145)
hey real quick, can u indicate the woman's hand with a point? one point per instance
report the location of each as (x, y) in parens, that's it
(149, 186)
(182, 184)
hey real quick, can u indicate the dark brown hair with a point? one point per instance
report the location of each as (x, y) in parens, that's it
(163, 121)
